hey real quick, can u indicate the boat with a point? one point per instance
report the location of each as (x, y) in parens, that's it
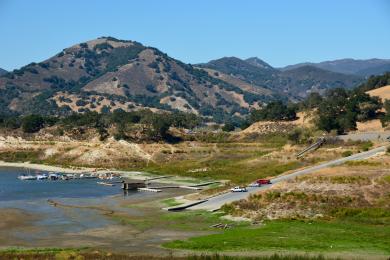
(53, 176)
(105, 183)
(64, 177)
(87, 176)
(42, 176)
(29, 177)
(70, 176)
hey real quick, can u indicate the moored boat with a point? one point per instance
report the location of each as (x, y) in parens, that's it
(29, 177)
(53, 176)
(42, 176)
(105, 183)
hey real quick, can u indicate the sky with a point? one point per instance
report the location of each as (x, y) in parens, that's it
(281, 32)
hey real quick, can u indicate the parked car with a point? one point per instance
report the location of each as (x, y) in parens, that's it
(238, 189)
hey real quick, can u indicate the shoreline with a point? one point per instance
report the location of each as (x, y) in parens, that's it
(136, 175)
(43, 167)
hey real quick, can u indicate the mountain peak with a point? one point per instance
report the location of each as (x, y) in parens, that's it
(255, 61)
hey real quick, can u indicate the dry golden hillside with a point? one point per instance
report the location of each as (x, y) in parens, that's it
(383, 92)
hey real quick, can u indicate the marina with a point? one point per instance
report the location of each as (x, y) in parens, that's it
(75, 212)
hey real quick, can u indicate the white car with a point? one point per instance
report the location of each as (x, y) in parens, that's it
(255, 184)
(238, 189)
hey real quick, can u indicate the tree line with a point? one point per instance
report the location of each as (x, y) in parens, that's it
(337, 110)
(156, 124)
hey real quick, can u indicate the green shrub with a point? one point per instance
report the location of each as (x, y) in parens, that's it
(347, 153)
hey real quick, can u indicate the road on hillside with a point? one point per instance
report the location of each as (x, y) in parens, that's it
(366, 136)
(216, 202)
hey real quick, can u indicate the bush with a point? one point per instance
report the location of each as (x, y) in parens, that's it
(228, 127)
(275, 110)
(32, 123)
(347, 153)
(299, 136)
(81, 103)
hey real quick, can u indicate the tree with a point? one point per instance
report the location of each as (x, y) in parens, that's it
(32, 123)
(299, 135)
(275, 110)
(313, 100)
(228, 127)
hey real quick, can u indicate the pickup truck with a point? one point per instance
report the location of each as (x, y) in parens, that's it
(238, 189)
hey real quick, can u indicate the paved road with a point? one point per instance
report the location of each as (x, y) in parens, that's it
(216, 202)
(366, 136)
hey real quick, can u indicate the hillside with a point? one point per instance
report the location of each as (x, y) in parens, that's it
(383, 93)
(246, 71)
(122, 74)
(2, 71)
(349, 66)
(255, 61)
(307, 79)
(293, 84)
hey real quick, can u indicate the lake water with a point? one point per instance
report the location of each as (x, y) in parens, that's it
(82, 216)
(11, 188)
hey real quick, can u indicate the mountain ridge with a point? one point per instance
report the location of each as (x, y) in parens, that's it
(289, 83)
(360, 67)
(121, 74)
(105, 74)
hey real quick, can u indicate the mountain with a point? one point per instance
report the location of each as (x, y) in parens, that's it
(293, 84)
(264, 76)
(377, 70)
(259, 63)
(106, 74)
(2, 71)
(306, 79)
(350, 66)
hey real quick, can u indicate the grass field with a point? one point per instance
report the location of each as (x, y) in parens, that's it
(185, 220)
(294, 235)
(238, 163)
(86, 254)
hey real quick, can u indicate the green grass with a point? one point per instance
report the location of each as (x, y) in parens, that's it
(236, 168)
(74, 254)
(171, 202)
(317, 236)
(182, 221)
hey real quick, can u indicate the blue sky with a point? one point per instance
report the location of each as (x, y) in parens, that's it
(279, 32)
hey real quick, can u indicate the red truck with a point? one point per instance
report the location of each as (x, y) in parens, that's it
(263, 181)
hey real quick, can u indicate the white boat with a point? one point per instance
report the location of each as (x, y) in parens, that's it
(64, 177)
(70, 176)
(53, 176)
(27, 177)
(105, 183)
(42, 176)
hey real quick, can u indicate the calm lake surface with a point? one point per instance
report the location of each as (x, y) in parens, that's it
(82, 216)
(11, 188)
